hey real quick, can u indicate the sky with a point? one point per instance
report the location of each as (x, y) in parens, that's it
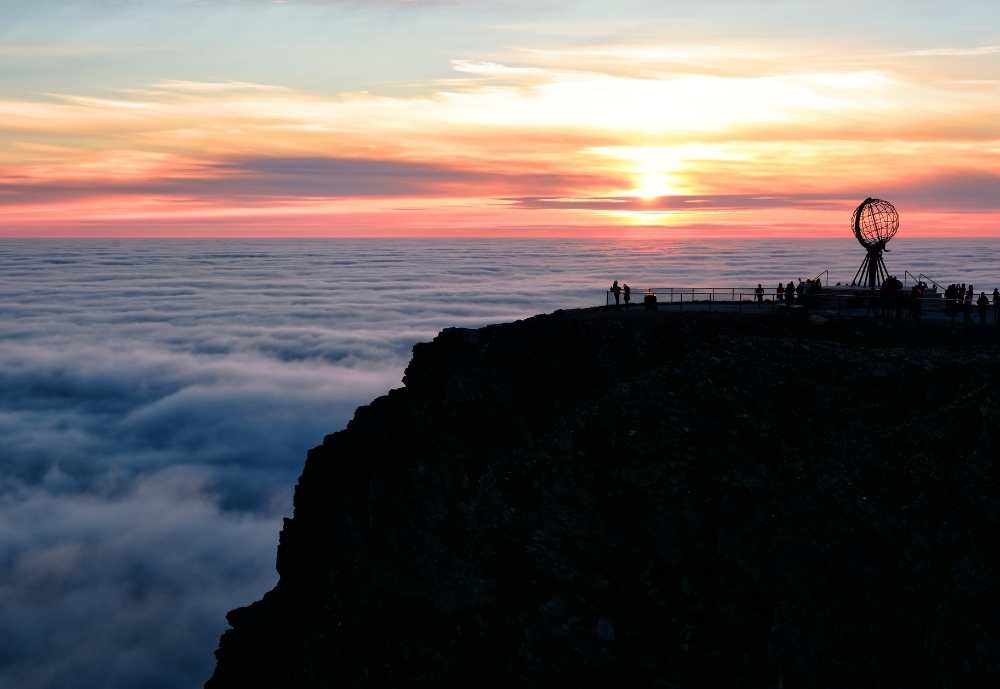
(507, 118)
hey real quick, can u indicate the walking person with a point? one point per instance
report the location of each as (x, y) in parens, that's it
(628, 294)
(996, 305)
(789, 293)
(759, 294)
(617, 291)
(779, 294)
(984, 304)
(967, 306)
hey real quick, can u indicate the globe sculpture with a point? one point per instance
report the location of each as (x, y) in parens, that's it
(874, 223)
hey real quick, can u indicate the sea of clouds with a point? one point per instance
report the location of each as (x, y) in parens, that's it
(157, 399)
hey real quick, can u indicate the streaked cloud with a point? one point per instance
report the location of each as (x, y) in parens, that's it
(214, 87)
(954, 52)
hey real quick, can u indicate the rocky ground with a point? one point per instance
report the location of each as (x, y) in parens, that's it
(602, 498)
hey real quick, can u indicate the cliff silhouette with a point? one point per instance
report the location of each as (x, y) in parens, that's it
(611, 498)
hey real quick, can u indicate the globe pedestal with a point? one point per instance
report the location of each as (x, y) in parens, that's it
(872, 272)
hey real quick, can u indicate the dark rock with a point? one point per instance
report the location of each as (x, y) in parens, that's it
(615, 498)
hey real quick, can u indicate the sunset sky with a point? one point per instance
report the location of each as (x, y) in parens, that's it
(512, 118)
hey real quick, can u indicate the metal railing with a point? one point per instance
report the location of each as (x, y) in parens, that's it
(830, 300)
(701, 295)
(705, 297)
(909, 279)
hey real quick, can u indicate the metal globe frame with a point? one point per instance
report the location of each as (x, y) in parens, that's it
(874, 223)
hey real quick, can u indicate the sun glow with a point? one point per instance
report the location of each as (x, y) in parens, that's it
(652, 185)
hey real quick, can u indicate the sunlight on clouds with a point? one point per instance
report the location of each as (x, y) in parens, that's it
(601, 121)
(663, 170)
(651, 185)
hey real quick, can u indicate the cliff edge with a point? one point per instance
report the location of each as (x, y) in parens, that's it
(610, 498)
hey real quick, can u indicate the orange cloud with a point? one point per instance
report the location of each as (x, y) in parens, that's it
(684, 131)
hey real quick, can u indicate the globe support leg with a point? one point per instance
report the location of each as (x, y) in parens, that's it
(863, 270)
(872, 272)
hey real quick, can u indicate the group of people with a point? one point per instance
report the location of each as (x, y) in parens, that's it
(791, 293)
(621, 290)
(961, 298)
(893, 297)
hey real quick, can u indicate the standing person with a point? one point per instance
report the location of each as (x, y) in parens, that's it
(967, 305)
(996, 305)
(885, 298)
(617, 291)
(897, 297)
(983, 303)
(916, 295)
(789, 293)
(759, 293)
(628, 294)
(779, 294)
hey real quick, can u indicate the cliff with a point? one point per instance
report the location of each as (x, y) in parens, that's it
(602, 498)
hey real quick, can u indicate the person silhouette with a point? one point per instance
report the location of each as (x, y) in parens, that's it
(967, 305)
(759, 294)
(628, 294)
(983, 303)
(617, 291)
(779, 293)
(996, 305)
(790, 293)
(916, 295)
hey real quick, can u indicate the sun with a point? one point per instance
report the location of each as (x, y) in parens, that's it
(652, 185)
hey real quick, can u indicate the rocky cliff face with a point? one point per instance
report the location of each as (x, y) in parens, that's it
(602, 498)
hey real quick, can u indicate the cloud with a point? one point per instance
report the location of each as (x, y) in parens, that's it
(686, 203)
(954, 52)
(959, 190)
(956, 190)
(257, 179)
(120, 591)
(201, 87)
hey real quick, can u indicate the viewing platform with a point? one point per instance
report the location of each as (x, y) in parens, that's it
(837, 300)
